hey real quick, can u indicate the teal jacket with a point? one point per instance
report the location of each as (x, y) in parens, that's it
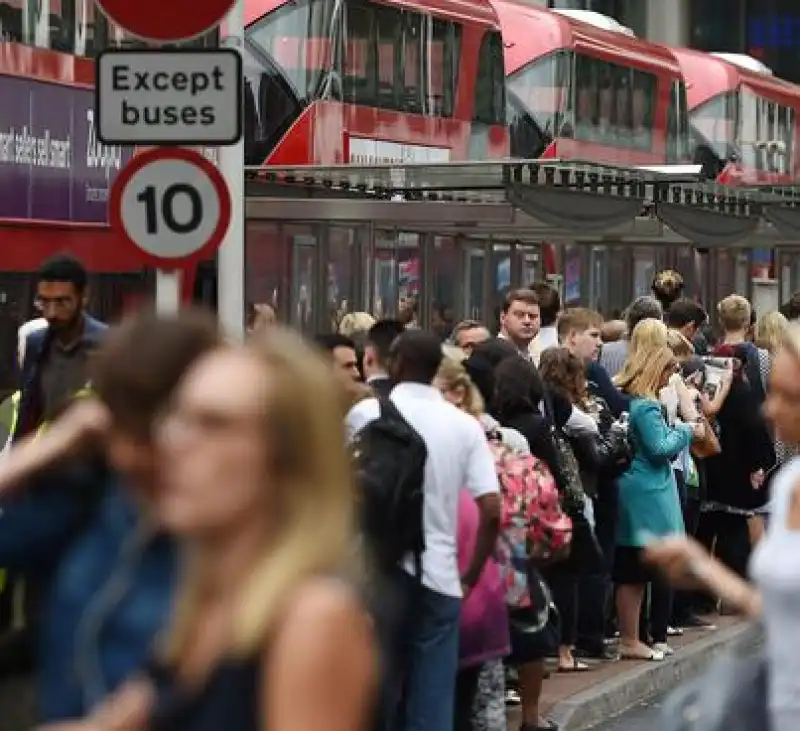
(648, 496)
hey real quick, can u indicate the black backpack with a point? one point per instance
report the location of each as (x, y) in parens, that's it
(390, 462)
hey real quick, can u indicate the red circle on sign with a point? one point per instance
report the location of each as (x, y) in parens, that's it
(170, 22)
(204, 167)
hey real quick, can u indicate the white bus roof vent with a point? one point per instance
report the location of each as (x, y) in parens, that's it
(746, 62)
(598, 20)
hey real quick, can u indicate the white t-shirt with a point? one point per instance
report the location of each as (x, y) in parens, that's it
(458, 457)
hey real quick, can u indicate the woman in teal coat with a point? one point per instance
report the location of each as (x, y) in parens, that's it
(649, 505)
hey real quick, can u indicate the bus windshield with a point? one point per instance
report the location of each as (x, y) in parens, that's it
(299, 39)
(542, 89)
(714, 125)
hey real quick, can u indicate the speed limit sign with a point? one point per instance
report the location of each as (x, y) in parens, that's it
(172, 205)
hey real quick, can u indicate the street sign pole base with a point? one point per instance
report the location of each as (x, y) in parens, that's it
(168, 291)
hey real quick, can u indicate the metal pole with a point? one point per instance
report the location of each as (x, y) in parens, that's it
(168, 291)
(230, 259)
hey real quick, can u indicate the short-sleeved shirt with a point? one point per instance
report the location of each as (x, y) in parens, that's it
(458, 457)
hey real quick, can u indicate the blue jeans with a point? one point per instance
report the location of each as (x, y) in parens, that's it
(420, 682)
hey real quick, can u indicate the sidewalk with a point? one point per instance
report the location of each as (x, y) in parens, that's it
(579, 701)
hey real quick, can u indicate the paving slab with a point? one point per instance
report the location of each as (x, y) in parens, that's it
(579, 701)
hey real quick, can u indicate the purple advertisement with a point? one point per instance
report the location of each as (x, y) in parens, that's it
(52, 167)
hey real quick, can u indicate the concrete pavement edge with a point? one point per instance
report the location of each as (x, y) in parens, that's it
(598, 704)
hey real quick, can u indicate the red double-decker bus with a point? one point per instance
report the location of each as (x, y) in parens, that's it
(332, 81)
(581, 86)
(744, 120)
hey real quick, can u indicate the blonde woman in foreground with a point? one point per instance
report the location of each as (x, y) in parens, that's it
(268, 632)
(775, 564)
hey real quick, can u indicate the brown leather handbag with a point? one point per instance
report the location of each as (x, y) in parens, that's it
(709, 445)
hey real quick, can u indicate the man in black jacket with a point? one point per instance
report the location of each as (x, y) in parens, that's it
(376, 355)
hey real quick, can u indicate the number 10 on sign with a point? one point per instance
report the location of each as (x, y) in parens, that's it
(173, 206)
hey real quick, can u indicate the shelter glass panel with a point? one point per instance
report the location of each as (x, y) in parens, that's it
(342, 243)
(302, 243)
(474, 276)
(501, 278)
(394, 271)
(644, 269)
(444, 298)
(266, 267)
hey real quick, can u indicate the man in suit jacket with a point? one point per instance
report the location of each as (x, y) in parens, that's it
(376, 355)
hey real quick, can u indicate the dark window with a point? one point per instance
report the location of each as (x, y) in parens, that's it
(400, 60)
(270, 105)
(490, 84)
(765, 133)
(678, 124)
(614, 105)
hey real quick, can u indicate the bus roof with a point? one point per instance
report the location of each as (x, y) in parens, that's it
(465, 11)
(530, 32)
(707, 76)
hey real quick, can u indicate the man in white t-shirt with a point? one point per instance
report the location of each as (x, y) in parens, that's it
(458, 457)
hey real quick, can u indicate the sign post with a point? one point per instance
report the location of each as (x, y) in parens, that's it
(231, 258)
(170, 203)
(173, 207)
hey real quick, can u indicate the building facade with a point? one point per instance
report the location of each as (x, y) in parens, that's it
(765, 29)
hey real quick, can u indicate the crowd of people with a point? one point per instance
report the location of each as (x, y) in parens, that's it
(374, 529)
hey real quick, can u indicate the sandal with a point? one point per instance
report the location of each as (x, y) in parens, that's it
(576, 667)
(650, 656)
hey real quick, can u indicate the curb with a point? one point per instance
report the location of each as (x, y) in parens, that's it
(610, 698)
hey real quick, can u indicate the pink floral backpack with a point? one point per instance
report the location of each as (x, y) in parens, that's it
(533, 527)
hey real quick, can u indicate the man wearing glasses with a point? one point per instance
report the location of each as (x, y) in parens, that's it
(56, 357)
(38, 526)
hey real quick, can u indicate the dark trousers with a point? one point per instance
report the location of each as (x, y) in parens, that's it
(595, 589)
(728, 535)
(683, 603)
(564, 579)
(466, 688)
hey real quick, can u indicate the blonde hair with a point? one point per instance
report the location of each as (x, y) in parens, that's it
(648, 336)
(314, 489)
(646, 382)
(790, 340)
(355, 323)
(734, 313)
(770, 330)
(453, 374)
(679, 344)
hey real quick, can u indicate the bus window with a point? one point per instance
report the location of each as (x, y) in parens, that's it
(586, 101)
(445, 50)
(623, 115)
(399, 60)
(678, 124)
(714, 129)
(413, 51)
(297, 39)
(604, 122)
(490, 84)
(541, 89)
(643, 109)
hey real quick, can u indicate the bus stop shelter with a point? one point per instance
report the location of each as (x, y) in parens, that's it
(466, 232)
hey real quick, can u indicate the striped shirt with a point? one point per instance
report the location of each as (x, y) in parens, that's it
(613, 356)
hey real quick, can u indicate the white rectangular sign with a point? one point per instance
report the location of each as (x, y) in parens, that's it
(169, 97)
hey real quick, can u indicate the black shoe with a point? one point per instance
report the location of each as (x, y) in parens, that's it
(695, 622)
